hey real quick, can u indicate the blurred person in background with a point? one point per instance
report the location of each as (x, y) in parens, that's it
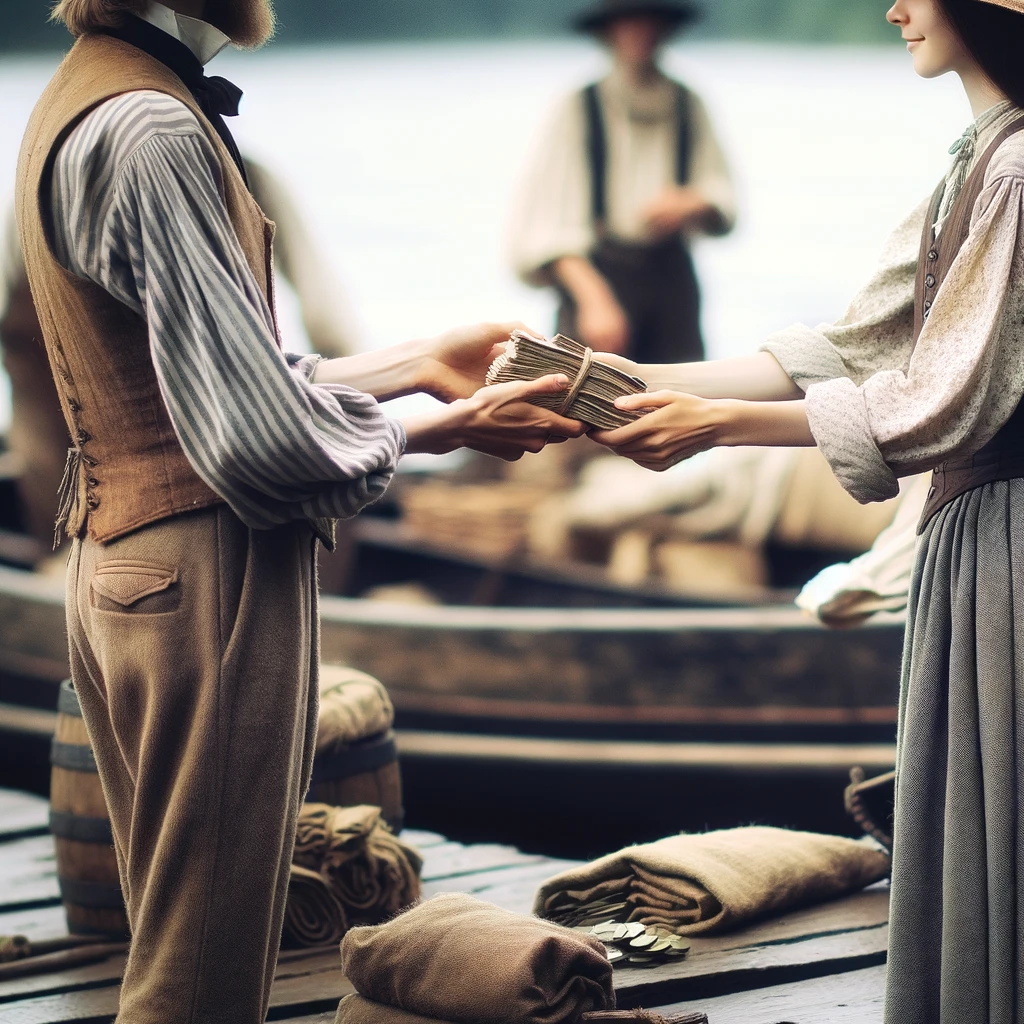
(625, 175)
(38, 437)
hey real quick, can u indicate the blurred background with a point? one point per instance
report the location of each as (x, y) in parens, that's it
(402, 126)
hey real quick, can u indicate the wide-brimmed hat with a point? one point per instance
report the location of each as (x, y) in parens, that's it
(675, 13)
(1010, 5)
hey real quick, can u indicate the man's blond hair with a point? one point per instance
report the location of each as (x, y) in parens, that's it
(80, 16)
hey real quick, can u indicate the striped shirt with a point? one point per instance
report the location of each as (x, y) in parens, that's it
(137, 207)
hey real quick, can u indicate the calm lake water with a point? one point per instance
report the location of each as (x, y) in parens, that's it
(404, 158)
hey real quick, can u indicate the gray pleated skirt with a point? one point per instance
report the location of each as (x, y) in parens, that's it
(958, 863)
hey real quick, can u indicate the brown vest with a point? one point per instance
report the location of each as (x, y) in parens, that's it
(1002, 458)
(127, 468)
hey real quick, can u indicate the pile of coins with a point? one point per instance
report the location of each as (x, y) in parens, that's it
(635, 945)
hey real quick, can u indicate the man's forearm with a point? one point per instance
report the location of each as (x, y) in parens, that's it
(385, 373)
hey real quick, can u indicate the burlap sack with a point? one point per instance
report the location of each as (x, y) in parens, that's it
(370, 871)
(699, 884)
(353, 707)
(312, 915)
(354, 1009)
(455, 958)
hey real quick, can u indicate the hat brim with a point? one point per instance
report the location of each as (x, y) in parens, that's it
(1010, 5)
(674, 15)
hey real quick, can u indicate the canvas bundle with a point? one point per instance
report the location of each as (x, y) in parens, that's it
(594, 388)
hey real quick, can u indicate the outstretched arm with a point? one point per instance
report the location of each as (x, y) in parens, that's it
(679, 426)
(755, 378)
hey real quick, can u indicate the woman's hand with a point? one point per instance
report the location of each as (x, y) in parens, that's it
(680, 426)
(677, 427)
(496, 420)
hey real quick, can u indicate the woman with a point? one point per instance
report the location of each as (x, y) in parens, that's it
(925, 372)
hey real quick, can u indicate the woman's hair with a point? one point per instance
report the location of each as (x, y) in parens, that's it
(80, 16)
(994, 36)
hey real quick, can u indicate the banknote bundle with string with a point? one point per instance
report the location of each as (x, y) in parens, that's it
(594, 388)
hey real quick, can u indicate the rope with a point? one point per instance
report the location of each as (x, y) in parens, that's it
(577, 384)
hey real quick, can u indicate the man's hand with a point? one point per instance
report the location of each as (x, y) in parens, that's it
(680, 208)
(496, 420)
(456, 362)
(677, 427)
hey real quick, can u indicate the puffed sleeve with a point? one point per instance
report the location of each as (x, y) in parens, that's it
(966, 375)
(709, 171)
(551, 209)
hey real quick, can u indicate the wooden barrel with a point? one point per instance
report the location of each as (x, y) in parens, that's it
(365, 772)
(86, 864)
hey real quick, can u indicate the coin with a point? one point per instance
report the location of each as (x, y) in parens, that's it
(634, 928)
(643, 941)
(660, 945)
(622, 931)
(638, 960)
(614, 954)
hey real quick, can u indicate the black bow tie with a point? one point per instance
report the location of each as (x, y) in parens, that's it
(216, 97)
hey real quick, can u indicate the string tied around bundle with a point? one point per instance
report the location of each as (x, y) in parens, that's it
(577, 385)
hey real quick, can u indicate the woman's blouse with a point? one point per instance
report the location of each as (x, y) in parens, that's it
(879, 407)
(552, 214)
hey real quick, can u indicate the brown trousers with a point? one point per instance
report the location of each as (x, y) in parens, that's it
(194, 651)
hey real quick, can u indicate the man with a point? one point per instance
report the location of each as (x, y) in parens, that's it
(205, 465)
(627, 173)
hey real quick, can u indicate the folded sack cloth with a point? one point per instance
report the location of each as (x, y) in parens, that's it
(353, 707)
(354, 1009)
(700, 884)
(312, 916)
(455, 958)
(370, 871)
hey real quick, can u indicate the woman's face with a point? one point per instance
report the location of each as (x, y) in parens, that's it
(931, 40)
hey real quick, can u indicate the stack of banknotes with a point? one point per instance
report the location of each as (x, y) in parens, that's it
(594, 385)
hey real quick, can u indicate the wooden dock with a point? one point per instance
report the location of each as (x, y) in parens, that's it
(822, 965)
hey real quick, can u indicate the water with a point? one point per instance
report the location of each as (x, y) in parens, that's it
(404, 158)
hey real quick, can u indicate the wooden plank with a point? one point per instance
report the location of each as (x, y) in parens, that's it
(421, 839)
(315, 987)
(512, 888)
(855, 997)
(35, 922)
(453, 860)
(719, 972)
(22, 814)
(28, 875)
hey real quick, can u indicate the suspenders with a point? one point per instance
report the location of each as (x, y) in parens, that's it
(597, 147)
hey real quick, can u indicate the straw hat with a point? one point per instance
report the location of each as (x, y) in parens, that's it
(675, 12)
(1010, 5)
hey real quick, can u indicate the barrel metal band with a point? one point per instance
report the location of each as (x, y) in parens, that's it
(98, 895)
(72, 756)
(80, 828)
(67, 700)
(366, 756)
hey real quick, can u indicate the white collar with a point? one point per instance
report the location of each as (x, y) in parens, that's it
(201, 38)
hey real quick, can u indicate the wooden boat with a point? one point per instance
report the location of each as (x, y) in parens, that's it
(667, 713)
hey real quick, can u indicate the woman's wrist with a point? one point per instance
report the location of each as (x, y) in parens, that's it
(435, 432)
(737, 422)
